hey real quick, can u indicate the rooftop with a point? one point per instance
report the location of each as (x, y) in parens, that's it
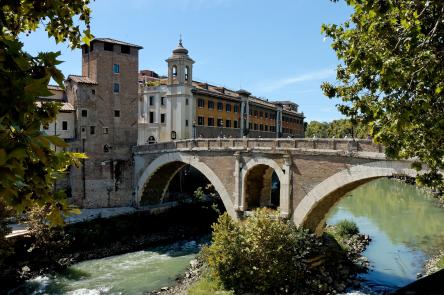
(82, 79)
(114, 41)
(66, 106)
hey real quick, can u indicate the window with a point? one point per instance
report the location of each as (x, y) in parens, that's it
(93, 91)
(116, 68)
(255, 126)
(186, 101)
(200, 120)
(251, 112)
(151, 140)
(116, 113)
(261, 127)
(266, 115)
(250, 126)
(210, 104)
(84, 113)
(45, 127)
(64, 125)
(92, 130)
(220, 123)
(186, 122)
(201, 103)
(260, 114)
(162, 101)
(228, 107)
(186, 73)
(174, 71)
(162, 118)
(116, 87)
(220, 106)
(266, 127)
(210, 121)
(105, 130)
(255, 113)
(235, 124)
(151, 117)
(108, 46)
(228, 123)
(236, 108)
(125, 49)
(151, 100)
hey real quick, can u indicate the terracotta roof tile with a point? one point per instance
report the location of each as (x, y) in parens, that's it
(82, 79)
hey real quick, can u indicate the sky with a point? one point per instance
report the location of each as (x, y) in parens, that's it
(274, 49)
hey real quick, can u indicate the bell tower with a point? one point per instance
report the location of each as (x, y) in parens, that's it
(180, 82)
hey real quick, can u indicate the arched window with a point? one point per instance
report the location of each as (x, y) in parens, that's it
(174, 71)
(151, 140)
(186, 73)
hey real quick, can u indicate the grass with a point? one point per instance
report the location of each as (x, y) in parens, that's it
(347, 228)
(342, 231)
(440, 263)
(208, 285)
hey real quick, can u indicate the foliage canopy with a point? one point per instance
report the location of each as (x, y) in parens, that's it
(29, 166)
(267, 255)
(392, 76)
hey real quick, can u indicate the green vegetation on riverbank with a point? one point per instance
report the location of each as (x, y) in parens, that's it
(264, 254)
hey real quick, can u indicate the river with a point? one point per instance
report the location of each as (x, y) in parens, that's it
(129, 274)
(403, 222)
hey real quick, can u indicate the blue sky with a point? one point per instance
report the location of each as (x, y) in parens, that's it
(274, 49)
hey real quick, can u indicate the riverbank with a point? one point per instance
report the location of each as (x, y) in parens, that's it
(104, 237)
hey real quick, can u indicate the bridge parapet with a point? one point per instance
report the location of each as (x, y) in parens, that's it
(274, 144)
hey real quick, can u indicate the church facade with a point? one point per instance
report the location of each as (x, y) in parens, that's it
(178, 107)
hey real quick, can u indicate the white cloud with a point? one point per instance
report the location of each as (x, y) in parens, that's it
(311, 76)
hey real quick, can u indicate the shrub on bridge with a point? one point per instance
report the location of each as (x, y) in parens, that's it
(267, 255)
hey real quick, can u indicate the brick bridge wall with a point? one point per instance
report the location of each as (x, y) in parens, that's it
(313, 173)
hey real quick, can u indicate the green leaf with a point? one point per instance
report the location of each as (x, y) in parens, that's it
(57, 141)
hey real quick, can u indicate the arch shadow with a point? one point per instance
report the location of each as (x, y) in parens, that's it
(170, 164)
(313, 208)
(256, 193)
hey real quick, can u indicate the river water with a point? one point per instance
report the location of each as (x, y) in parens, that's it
(131, 273)
(403, 222)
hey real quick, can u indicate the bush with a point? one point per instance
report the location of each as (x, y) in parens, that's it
(5, 245)
(347, 228)
(208, 285)
(267, 255)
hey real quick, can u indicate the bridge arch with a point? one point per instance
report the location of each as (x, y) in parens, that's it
(313, 208)
(172, 163)
(256, 180)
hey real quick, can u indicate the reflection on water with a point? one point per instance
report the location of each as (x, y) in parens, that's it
(132, 273)
(404, 224)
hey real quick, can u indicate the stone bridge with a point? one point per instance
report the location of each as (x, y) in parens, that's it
(313, 173)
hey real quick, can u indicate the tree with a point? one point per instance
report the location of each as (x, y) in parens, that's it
(267, 255)
(29, 166)
(318, 129)
(392, 77)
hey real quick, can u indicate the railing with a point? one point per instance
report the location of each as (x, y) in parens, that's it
(361, 145)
